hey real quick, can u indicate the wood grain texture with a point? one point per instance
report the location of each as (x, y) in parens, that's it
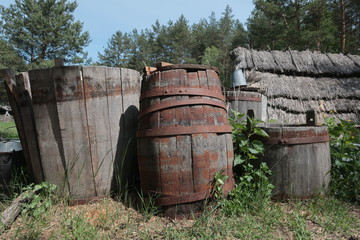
(298, 170)
(48, 129)
(183, 164)
(73, 124)
(29, 142)
(97, 113)
(242, 102)
(130, 80)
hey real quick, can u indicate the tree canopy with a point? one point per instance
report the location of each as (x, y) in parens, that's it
(323, 25)
(41, 30)
(206, 42)
(33, 32)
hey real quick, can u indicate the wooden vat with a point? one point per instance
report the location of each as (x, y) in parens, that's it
(183, 135)
(79, 128)
(299, 157)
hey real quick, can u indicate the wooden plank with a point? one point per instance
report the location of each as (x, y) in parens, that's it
(30, 143)
(9, 215)
(149, 165)
(168, 152)
(183, 142)
(73, 125)
(48, 129)
(130, 98)
(115, 110)
(13, 96)
(201, 162)
(97, 113)
(148, 148)
(163, 64)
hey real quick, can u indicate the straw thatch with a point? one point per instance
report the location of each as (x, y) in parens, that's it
(297, 81)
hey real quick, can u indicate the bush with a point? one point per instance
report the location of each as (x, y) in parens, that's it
(253, 189)
(345, 160)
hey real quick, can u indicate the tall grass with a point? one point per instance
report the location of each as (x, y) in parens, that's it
(8, 130)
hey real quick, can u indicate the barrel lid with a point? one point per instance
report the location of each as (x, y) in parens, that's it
(188, 67)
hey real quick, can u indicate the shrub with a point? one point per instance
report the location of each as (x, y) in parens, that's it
(253, 188)
(345, 159)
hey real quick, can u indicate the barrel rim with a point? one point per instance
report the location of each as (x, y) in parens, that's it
(300, 134)
(189, 67)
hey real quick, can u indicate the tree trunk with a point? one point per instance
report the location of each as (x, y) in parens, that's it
(343, 25)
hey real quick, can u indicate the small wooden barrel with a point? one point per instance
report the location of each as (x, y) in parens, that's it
(243, 101)
(299, 157)
(184, 137)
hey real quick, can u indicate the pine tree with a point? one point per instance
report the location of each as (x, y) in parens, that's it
(40, 30)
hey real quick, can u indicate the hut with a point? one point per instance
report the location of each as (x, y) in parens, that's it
(295, 82)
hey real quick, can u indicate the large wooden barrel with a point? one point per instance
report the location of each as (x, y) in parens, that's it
(184, 137)
(84, 122)
(245, 101)
(299, 157)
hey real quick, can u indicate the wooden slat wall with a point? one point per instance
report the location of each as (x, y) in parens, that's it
(78, 125)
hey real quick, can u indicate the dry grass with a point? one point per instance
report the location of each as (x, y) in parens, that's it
(109, 219)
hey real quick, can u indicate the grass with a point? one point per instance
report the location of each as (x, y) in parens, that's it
(8, 130)
(318, 218)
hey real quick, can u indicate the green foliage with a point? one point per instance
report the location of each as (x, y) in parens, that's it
(246, 148)
(217, 184)
(314, 25)
(207, 42)
(8, 130)
(118, 51)
(44, 29)
(252, 192)
(212, 57)
(41, 198)
(78, 228)
(345, 159)
(146, 205)
(9, 59)
(253, 189)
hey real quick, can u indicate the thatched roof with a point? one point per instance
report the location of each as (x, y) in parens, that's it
(297, 81)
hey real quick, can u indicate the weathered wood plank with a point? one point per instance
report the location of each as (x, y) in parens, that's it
(130, 100)
(73, 125)
(169, 168)
(115, 111)
(97, 112)
(30, 142)
(48, 128)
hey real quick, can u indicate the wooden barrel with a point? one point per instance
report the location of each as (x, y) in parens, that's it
(245, 101)
(184, 137)
(84, 123)
(299, 157)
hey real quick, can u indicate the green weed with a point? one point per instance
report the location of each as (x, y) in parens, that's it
(345, 159)
(8, 130)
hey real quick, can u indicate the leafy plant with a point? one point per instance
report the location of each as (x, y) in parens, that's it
(217, 184)
(345, 159)
(246, 148)
(253, 189)
(40, 198)
(252, 192)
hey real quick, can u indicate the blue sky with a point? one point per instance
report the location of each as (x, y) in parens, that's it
(103, 18)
